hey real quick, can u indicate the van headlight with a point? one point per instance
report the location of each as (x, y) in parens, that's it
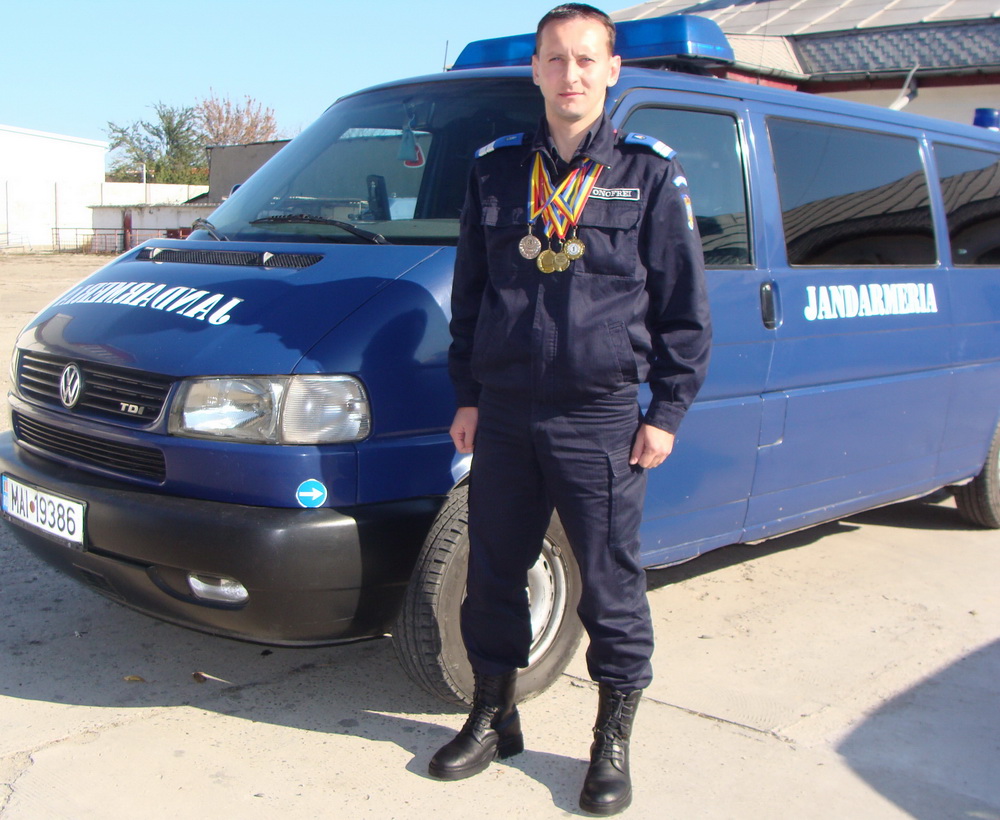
(272, 409)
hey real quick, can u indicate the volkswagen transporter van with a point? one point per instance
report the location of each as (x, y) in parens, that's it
(246, 432)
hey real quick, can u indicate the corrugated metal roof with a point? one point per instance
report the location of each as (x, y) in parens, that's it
(786, 17)
(941, 48)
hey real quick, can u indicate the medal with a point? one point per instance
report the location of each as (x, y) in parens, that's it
(546, 261)
(530, 246)
(574, 247)
(561, 261)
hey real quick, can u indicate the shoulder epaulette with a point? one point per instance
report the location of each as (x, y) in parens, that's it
(652, 143)
(500, 142)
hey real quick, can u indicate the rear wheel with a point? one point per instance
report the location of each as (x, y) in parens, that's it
(427, 636)
(979, 500)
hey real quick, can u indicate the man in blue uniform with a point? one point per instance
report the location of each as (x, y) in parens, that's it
(579, 275)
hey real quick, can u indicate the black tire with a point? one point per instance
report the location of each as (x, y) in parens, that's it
(427, 635)
(979, 500)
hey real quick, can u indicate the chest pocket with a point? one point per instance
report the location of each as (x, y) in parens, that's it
(610, 230)
(505, 225)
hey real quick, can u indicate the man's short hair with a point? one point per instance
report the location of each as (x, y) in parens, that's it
(576, 11)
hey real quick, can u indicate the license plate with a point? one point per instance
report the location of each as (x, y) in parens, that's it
(54, 514)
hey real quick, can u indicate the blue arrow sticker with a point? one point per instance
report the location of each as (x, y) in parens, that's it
(311, 493)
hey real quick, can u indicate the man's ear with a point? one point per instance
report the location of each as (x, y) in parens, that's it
(616, 70)
(534, 68)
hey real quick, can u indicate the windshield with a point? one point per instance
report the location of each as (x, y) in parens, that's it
(393, 163)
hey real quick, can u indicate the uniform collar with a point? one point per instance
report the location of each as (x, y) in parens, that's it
(597, 144)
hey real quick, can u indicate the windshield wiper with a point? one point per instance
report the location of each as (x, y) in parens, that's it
(361, 233)
(209, 228)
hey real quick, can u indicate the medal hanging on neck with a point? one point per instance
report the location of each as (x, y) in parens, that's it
(560, 209)
(530, 246)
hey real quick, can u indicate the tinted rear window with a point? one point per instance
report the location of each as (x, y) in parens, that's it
(970, 184)
(851, 197)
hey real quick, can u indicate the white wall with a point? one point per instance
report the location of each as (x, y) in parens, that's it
(958, 103)
(26, 154)
(118, 228)
(50, 181)
(149, 217)
(138, 193)
(46, 180)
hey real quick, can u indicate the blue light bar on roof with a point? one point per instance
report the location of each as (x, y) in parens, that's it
(497, 52)
(685, 37)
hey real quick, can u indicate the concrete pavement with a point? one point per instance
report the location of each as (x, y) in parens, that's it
(846, 671)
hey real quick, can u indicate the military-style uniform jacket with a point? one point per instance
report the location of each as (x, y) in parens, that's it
(633, 308)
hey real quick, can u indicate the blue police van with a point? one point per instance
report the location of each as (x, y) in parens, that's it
(245, 432)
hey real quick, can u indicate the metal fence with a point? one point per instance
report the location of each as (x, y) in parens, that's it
(11, 241)
(108, 240)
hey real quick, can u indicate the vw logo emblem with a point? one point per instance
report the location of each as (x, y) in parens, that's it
(70, 386)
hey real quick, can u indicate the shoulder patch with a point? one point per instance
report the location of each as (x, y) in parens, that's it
(500, 142)
(653, 144)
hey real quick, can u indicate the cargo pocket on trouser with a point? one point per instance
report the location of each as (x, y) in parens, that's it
(622, 641)
(627, 491)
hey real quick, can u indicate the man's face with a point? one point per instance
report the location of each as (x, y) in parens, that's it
(574, 68)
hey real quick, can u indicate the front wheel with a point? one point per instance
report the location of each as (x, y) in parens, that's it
(979, 500)
(427, 636)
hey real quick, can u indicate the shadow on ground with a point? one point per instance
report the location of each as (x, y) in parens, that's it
(934, 750)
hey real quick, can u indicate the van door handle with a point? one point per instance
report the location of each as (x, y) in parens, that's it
(769, 305)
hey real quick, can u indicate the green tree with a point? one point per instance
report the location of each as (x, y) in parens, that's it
(171, 148)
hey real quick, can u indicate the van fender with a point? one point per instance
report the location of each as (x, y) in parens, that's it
(461, 465)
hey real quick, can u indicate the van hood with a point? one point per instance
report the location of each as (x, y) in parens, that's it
(186, 308)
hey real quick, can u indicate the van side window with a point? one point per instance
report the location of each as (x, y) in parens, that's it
(708, 147)
(851, 197)
(970, 185)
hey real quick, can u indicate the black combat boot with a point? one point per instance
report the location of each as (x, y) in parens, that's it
(607, 788)
(492, 730)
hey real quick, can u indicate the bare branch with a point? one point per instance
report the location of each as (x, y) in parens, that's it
(223, 122)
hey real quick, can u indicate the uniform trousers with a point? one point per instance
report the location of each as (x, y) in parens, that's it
(531, 457)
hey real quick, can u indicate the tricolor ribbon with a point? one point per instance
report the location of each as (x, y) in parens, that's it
(561, 207)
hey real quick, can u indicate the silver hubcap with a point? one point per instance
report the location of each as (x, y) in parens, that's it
(547, 588)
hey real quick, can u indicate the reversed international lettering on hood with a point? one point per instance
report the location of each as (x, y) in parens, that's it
(200, 305)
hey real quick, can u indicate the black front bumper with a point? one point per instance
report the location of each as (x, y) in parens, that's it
(314, 576)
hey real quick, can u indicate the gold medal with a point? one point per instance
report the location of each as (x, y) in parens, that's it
(546, 261)
(574, 247)
(530, 246)
(561, 261)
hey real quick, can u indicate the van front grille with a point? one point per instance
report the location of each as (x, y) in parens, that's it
(123, 459)
(108, 392)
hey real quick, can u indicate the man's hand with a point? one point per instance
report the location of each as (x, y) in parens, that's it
(651, 448)
(463, 428)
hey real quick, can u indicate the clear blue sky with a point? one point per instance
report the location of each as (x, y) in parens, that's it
(69, 67)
